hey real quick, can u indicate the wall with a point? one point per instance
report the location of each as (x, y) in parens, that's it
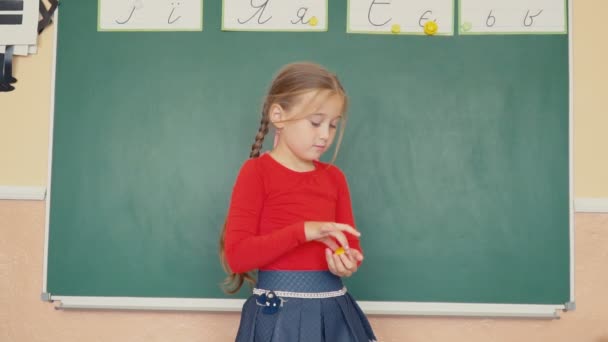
(25, 318)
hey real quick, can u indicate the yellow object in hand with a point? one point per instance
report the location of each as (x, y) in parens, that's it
(339, 251)
(430, 28)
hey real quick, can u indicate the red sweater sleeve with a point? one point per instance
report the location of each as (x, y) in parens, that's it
(245, 249)
(344, 211)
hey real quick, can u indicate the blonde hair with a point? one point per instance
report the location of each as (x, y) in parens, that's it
(286, 89)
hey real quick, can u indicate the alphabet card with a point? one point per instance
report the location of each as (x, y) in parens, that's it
(150, 15)
(513, 16)
(274, 15)
(18, 22)
(401, 17)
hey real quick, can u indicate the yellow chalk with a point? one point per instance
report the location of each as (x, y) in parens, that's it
(339, 251)
(395, 28)
(313, 21)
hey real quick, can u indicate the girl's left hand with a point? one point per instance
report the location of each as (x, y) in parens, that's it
(345, 264)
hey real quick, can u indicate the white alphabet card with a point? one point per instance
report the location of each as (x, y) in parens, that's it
(274, 15)
(150, 15)
(18, 22)
(401, 17)
(513, 17)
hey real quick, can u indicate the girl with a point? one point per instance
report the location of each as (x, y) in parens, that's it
(290, 217)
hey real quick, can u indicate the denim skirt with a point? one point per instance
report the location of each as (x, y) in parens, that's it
(302, 306)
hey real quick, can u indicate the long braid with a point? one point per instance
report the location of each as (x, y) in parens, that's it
(234, 281)
(259, 137)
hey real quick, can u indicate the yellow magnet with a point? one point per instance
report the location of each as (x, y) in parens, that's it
(313, 21)
(466, 26)
(430, 28)
(339, 251)
(395, 28)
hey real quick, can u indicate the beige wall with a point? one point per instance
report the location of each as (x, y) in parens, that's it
(24, 118)
(23, 161)
(590, 92)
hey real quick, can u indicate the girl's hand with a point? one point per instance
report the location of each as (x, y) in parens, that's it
(325, 231)
(345, 264)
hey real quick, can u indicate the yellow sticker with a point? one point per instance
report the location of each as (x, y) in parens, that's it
(313, 21)
(396, 28)
(339, 251)
(430, 28)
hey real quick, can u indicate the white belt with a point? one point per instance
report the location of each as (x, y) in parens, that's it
(313, 295)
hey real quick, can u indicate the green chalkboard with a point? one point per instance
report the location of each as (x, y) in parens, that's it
(456, 151)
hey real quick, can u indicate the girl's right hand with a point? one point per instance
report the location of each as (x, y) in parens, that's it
(324, 231)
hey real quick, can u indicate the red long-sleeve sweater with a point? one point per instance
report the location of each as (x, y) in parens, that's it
(268, 208)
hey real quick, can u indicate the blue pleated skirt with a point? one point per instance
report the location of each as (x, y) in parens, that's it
(269, 318)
